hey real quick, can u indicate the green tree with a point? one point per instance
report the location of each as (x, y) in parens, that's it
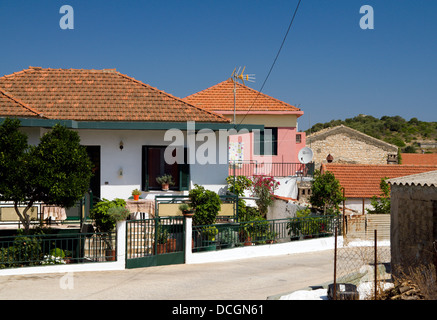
(57, 171)
(326, 193)
(381, 204)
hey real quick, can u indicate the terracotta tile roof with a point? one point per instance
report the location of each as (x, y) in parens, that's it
(220, 97)
(419, 158)
(11, 107)
(93, 95)
(362, 180)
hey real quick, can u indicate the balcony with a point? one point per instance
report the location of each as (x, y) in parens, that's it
(252, 168)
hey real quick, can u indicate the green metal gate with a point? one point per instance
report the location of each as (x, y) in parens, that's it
(155, 242)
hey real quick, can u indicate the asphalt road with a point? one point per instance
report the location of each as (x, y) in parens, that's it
(248, 279)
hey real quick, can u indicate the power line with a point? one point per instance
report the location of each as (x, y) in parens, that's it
(274, 61)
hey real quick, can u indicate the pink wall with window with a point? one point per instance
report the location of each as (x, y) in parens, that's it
(288, 146)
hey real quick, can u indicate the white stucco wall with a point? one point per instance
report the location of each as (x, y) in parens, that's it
(356, 204)
(210, 175)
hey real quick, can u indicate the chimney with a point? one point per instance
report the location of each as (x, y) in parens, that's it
(392, 159)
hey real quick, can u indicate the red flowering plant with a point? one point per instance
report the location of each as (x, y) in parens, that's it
(263, 188)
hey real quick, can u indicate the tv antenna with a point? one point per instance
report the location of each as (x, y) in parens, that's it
(237, 75)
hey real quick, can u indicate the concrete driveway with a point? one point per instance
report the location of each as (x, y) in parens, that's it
(248, 279)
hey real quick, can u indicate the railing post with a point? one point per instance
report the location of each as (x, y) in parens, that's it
(376, 266)
(335, 266)
(188, 237)
(121, 242)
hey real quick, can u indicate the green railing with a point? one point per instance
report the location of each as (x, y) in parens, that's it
(236, 234)
(148, 237)
(61, 248)
(313, 226)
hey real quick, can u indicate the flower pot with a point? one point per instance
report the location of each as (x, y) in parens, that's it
(165, 186)
(188, 213)
(161, 248)
(68, 260)
(136, 197)
(110, 255)
(248, 241)
(169, 246)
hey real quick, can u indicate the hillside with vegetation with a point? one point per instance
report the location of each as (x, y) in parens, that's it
(409, 135)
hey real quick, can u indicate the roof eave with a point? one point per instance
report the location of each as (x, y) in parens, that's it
(133, 125)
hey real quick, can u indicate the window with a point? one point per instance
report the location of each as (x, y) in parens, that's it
(298, 138)
(266, 142)
(154, 165)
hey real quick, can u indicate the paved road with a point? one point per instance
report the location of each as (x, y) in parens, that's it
(254, 279)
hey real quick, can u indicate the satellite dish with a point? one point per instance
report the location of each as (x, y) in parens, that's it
(305, 155)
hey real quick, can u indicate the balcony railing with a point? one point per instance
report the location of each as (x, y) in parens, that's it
(276, 169)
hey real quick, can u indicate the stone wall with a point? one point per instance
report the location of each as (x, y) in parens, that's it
(346, 145)
(413, 225)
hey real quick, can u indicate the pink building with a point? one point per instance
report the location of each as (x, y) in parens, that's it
(274, 151)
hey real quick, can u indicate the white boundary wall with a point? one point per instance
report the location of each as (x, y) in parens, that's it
(302, 246)
(293, 247)
(120, 264)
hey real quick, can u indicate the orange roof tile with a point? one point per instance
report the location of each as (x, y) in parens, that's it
(362, 180)
(220, 97)
(419, 158)
(11, 107)
(94, 95)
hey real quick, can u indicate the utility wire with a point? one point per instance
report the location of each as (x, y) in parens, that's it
(274, 61)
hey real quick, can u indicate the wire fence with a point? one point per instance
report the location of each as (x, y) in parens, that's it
(364, 266)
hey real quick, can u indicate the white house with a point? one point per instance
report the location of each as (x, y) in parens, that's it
(129, 128)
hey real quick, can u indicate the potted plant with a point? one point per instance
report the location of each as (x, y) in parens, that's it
(186, 210)
(106, 214)
(165, 181)
(164, 244)
(136, 194)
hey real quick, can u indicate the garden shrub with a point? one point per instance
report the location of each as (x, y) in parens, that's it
(105, 222)
(206, 203)
(263, 188)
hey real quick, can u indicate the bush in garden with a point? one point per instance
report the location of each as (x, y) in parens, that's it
(263, 188)
(206, 203)
(238, 185)
(105, 219)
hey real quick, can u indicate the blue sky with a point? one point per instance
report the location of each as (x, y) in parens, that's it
(328, 66)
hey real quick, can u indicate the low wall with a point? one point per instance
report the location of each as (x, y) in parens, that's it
(79, 267)
(293, 247)
(301, 246)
